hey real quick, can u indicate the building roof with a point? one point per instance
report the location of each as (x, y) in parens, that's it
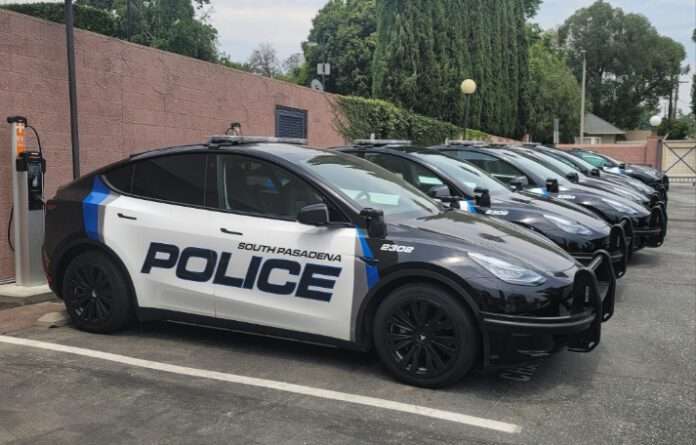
(596, 125)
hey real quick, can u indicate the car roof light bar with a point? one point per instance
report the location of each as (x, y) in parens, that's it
(241, 140)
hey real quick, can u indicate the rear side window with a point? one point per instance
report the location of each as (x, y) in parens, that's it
(178, 179)
(121, 178)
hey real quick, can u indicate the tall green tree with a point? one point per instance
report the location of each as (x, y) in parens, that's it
(425, 48)
(629, 65)
(343, 34)
(553, 93)
(170, 25)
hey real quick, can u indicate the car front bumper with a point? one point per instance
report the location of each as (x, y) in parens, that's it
(517, 338)
(618, 247)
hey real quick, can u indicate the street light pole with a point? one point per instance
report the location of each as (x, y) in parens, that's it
(468, 87)
(72, 88)
(582, 98)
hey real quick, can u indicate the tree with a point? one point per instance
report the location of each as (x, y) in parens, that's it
(343, 34)
(170, 25)
(264, 61)
(425, 48)
(629, 65)
(553, 93)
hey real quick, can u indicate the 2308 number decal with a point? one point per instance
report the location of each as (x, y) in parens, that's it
(396, 248)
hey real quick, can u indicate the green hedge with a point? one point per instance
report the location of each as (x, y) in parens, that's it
(86, 17)
(363, 117)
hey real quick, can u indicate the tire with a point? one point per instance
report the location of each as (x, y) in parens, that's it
(96, 293)
(434, 349)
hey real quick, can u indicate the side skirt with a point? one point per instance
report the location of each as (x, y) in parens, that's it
(150, 314)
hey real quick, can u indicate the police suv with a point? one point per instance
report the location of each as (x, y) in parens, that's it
(272, 237)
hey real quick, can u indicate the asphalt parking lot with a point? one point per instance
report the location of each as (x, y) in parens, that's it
(178, 384)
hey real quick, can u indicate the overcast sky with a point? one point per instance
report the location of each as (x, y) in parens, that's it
(243, 24)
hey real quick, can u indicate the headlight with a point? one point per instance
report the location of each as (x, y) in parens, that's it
(620, 207)
(507, 272)
(568, 226)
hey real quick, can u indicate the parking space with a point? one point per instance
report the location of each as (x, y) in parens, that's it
(638, 386)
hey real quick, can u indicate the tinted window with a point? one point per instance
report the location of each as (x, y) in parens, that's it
(121, 178)
(595, 160)
(249, 185)
(178, 179)
(409, 171)
(468, 176)
(500, 169)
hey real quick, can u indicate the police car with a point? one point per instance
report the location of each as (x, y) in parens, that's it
(644, 227)
(271, 237)
(471, 189)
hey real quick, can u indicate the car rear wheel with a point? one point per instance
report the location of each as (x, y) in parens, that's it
(96, 293)
(425, 337)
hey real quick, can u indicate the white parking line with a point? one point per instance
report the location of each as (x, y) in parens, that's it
(272, 384)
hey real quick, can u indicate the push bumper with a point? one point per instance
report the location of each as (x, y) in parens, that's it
(520, 338)
(619, 249)
(654, 234)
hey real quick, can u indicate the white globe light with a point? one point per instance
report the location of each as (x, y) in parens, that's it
(468, 86)
(656, 120)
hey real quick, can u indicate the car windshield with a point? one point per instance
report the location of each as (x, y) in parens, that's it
(552, 163)
(573, 160)
(536, 168)
(369, 185)
(467, 175)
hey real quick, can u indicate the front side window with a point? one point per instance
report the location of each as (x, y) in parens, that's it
(178, 179)
(596, 161)
(501, 170)
(409, 171)
(250, 185)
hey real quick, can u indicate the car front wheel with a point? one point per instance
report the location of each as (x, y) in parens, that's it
(425, 337)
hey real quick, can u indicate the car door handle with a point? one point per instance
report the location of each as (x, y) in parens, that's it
(132, 218)
(230, 232)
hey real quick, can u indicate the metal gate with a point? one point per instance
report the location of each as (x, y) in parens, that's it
(679, 160)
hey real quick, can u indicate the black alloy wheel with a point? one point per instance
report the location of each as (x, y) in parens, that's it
(425, 336)
(96, 294)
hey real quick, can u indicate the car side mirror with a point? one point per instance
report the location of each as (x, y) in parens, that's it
(622, 166)
(482, 196)
(552, 185)
(573, 177)
(374, 219)
(519, 183)
(441, 192)
(595, 172)
(314, 215)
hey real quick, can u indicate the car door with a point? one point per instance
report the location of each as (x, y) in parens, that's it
(275, 271)
(158, 225)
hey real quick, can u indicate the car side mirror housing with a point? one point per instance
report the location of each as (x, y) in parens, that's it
(374, 219)
(573, 177)
(482, 196)
(595, 172)
(440, 192)
(519, 183)
(314, 215)
(552, 185)
(622, 166)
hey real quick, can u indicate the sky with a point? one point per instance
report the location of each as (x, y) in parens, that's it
(244, 24)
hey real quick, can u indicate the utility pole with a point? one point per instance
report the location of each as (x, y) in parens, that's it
(582, 98)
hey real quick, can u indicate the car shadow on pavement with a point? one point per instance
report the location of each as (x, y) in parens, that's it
(520, 382)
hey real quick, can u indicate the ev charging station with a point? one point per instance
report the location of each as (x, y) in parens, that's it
(28, 206)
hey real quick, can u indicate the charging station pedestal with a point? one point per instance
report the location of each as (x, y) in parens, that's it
(28, 169)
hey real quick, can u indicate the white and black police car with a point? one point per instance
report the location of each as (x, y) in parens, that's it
(271, 237)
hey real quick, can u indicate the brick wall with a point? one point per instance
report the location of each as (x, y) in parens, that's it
(130, 98)
(646, 152)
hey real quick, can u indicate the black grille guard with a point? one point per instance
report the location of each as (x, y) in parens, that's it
(587, 287)
(656, 232)
(619, 248)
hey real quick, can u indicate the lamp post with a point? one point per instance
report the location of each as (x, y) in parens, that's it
(468, 88)
(655, 121)
(72, 87)
(582, 97)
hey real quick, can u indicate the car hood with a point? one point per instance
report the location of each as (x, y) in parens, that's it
(612, 187)
(466, 232)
